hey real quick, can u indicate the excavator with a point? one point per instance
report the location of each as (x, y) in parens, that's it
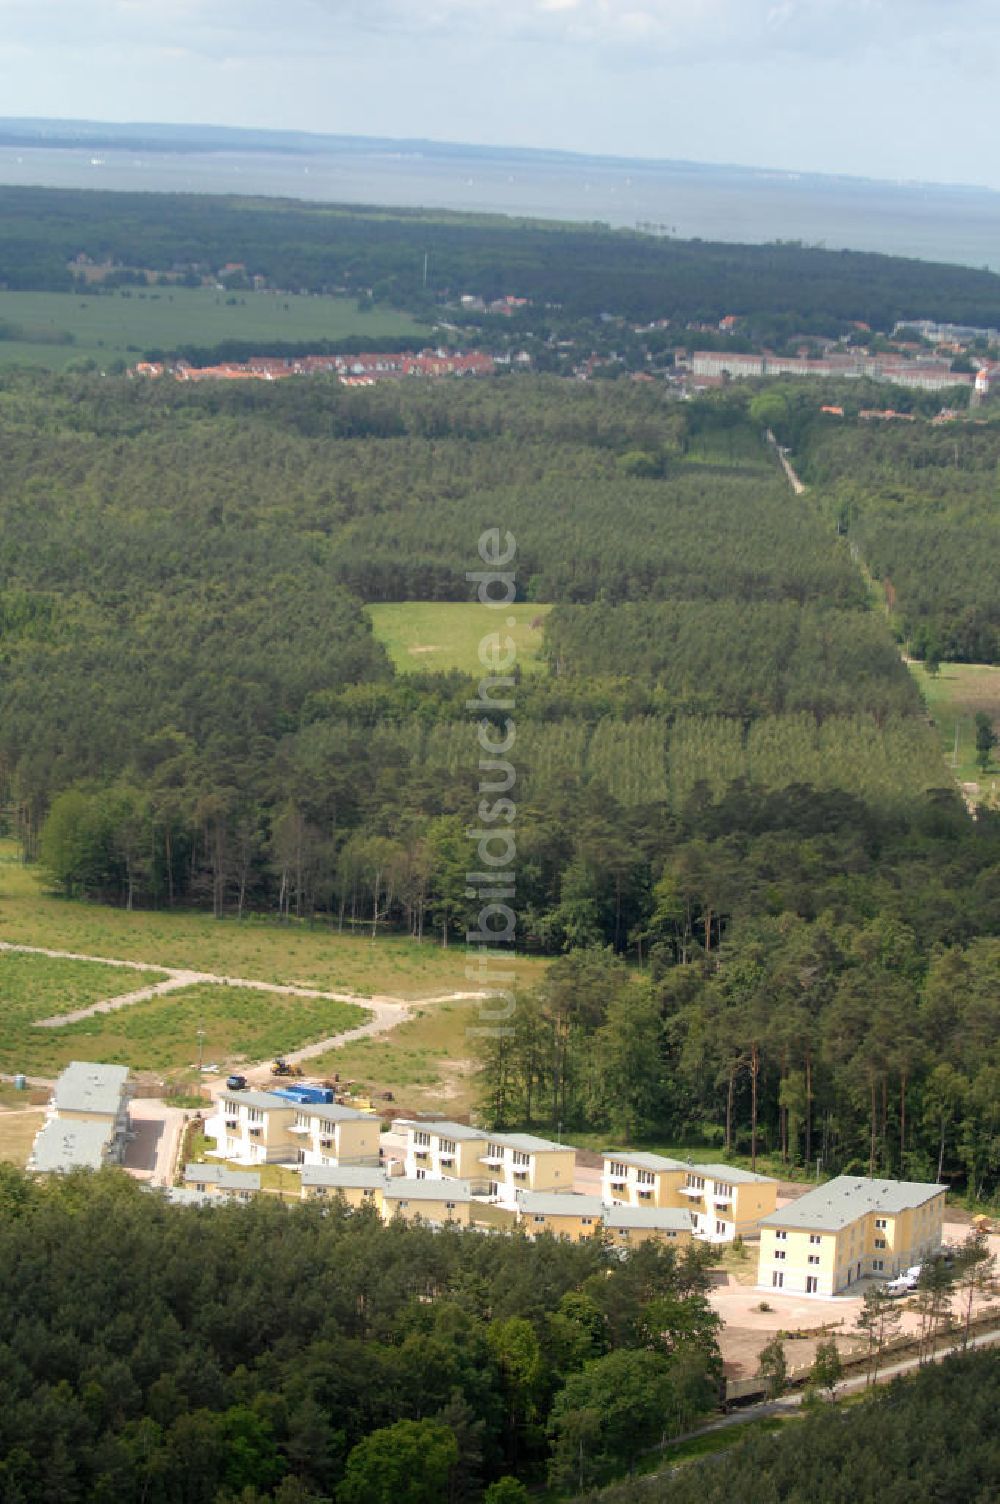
(282, 1067)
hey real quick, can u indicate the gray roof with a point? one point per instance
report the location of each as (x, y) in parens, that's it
(646, 1161)
(732, 1175)
(222, 1176)
(266, 1099)
(526, 1142)
(402, 1188)
(332, 1112)
(842, 1201)
(559, 1204)
(729, 1173)
(184, 1195)
(443, 1129)
(87, 1087)
(344, 1177)
(668, 1218)
(61, 1146)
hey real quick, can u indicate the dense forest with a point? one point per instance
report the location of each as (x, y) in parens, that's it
(921, 503)
(584, 269)
(165, 1355)
(722, 771)
(923, 1440)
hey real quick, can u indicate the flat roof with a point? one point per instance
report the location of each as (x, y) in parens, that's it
(61, 1146)
(266, 1099)
(332, 1112)
(830, 1207)
(731, 1174)
(442, 1128)
(668, 1218)
(560, 1204)
(222, 1176)
(86, 1086)
(645, 1161)
(402, 1188)
(528, 1143)
(344, 1177)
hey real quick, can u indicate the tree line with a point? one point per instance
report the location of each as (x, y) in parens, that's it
(171, 1355)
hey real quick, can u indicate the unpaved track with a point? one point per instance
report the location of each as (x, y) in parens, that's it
(386, 1013)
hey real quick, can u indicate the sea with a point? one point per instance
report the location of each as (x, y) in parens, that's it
(685, 200)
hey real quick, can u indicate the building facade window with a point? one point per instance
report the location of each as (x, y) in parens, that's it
(778, 1280)
(782, 1236)
(814, 1237)
(780, 1253)
(814, 1258)
(812, 1284)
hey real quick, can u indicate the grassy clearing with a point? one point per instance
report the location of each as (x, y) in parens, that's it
(161, 1034)
(17, 1134)
(435, 636)
(261, 949)
(34, 987)
(427, 1063)
(954, 696)
(58, 328)
(272, 1177)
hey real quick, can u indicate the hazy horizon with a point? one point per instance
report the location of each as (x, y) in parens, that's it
(893, 90)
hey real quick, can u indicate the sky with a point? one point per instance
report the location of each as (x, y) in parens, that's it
(901, 89)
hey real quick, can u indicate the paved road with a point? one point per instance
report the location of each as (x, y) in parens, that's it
(152, 1154)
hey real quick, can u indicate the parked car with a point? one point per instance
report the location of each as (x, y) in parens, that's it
(236, 1083)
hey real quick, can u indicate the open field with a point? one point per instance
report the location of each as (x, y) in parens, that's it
(33, 987)
(52, 329)
(954, 696)
(161, 1034)
(17, 1133)
(426, 1063)
(435, 636)
(261, 949)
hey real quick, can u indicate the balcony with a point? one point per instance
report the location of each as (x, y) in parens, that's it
(299, 1128)
(722, 1198)
(446, 1159)
(617, 1180)
(493, 1160)
(696, 1192)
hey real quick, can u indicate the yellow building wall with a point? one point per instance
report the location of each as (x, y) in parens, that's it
(631, 1237)
(427, 1211)
(554, 1171)
(357, 1139)
(354, 1195)
(752, 1201)
(573, 1228)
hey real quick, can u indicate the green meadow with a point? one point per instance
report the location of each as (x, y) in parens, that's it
(56, 329)
(437, 636)
(954, 696)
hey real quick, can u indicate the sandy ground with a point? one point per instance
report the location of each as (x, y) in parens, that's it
(747, 1329)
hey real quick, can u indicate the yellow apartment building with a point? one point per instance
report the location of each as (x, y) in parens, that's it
(847, 1230)
(86, 1124)
(724, 1202)
(331, 1135)
(563, 1214)
(220, 1180)
(359, 1185)
(432, 1201)
(628, 1226)
(516, 1162)
(443, 1150)
(253, 1128)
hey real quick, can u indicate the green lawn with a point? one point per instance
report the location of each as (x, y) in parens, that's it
(33, 987)
(240, 1024)
(435, 636)
(261, 949)
(953, 696)
(53, 329)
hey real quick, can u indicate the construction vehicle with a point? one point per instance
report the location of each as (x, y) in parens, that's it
(283, 1067)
